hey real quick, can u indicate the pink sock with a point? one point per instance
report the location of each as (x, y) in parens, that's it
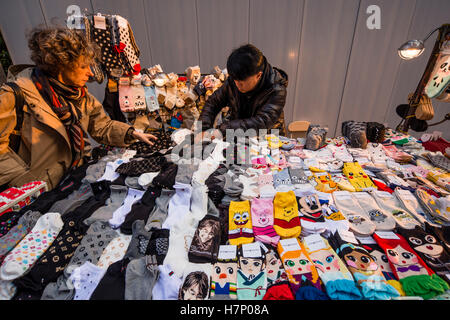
(262, 221)
(126, 99)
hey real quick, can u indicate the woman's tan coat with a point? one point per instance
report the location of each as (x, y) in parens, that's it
(45, 150)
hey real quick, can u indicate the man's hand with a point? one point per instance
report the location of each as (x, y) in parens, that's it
(144, 137)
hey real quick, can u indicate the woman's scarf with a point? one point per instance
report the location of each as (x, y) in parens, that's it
(65, 101)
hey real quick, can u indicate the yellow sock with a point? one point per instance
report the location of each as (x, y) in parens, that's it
(357, 177)
(240, 228)
(286, 216)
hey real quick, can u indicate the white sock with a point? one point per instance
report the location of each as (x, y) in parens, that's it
(32, 246)
(205, 168)
(146, 179)
(410, 203)
(251, 189)
(168, 284)
(179, 204)
(381, 219)
(85, 279)
(392, 206)
(359, 222)
(121, 212)
(340, 153)
(110, 170)
(114, 251)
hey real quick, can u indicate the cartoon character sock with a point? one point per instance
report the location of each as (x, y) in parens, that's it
(240, 223)
(282, 181)
(311, 215)
(324, 182)
(391, 205)
(151, 98)
(350, 208)
(338, 281)
(251, 273)
(410, 203)
(357, 177)
(364, 269)
(262, 221)
(126, 99)
(224, 274)
(416, 277)
(381, 220)
(379, 256)
(427, 246)
(286, 216)
(302, 274)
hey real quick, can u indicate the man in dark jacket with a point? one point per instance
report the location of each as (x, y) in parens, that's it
(254, 91)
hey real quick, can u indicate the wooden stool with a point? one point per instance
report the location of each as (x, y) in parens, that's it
(298, 129)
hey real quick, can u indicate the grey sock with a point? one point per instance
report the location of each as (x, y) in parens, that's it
(58, 290)
(98, 236)
(139, 240)
(74, 200)
(140, 278)
(132, 182)
(115, 200)
(95, 171)
(185, 172)
(160, 211)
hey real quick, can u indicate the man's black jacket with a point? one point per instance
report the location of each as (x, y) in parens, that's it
(262, 108)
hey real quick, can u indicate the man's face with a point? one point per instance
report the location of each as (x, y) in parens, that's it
(248, 84)
(78, 75)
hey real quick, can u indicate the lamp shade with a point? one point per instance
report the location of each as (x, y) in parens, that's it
(411, 49)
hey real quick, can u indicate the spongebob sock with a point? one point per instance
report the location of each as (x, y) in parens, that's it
(286, 216)
(239, 223)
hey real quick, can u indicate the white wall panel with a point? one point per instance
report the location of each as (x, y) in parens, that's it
(275, 28)
(324, 54)
(17, 18)
(173, 33)
(222, 26)
(374, 61)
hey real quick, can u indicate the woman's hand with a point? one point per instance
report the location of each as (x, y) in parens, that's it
(144, 137)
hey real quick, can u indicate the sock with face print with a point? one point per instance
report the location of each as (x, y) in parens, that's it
(251, 273)
(205, 243)
(338, 281)
(195, 285)
(224, 274)
(278, 287)
(262, 221)
(364, 269)
(427, 246)
(416, 277)
(240, 223)
(302, 273)
(286, 217)
(379, 256)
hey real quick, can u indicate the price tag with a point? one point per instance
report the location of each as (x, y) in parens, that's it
(251, 250)
(314, 242)
(348, 236)
(387, 235)
(227, 252)
(366, 240)
(100, 22)
(290, 244)
(406, 194)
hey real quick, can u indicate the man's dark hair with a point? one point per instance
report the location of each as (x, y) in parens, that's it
(245, 61)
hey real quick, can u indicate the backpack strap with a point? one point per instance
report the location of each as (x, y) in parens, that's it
(15, 137)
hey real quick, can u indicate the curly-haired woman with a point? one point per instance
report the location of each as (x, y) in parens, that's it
(59, 112)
